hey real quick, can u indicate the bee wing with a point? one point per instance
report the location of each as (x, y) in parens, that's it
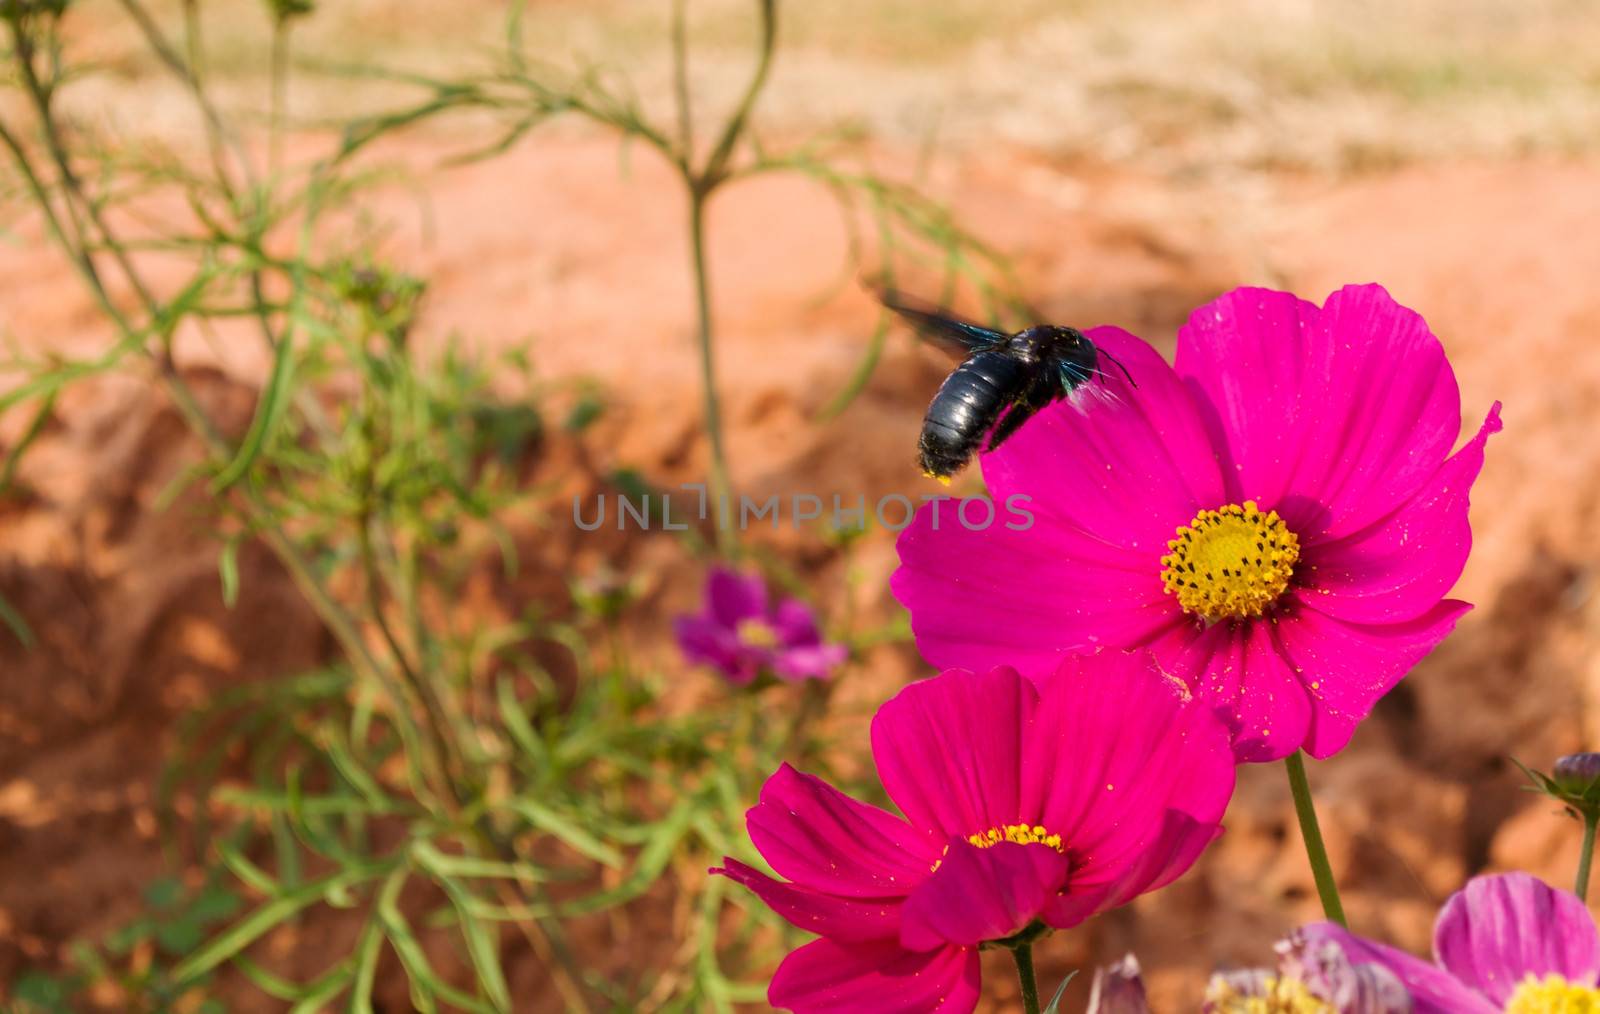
(959, 337)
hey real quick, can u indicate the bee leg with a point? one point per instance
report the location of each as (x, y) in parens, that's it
(1012, 421)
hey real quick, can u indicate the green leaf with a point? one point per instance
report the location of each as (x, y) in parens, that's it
(269, 411)
(368, 950)
(228, 569)
(324, 988)
(42, 992)
(246, 870)
(354, 773)
(517, 725)
(653, 859)
(18, 626)
(483, 947)
(1054, 1007)
(35, 427)
(859, 377)
(163, 893)
(425, 982)
(474, 866)
(585, 413)
(179, 936)
(570, 833)
(275, 986)
(213, 905)
(264, 919)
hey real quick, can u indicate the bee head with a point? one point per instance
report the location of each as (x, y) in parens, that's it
(1047, 342)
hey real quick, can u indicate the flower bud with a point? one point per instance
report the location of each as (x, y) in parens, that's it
(1119, 989)
(1574, 782)
(1576, 774)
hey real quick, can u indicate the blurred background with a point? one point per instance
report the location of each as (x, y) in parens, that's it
(1102, 163)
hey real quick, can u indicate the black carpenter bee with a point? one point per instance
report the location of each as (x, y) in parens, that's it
(1002, 382)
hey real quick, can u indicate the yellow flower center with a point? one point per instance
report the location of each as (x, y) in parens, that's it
(1553, 995)
(756, 633)
(1277, 995)
(1020, 834)
(1231, 562)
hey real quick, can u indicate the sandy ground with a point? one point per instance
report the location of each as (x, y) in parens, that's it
(562, 249)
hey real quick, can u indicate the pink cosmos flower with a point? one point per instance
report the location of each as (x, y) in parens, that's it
(1023, 806)
(743, 634)
(1504, 943)
(1278, 518)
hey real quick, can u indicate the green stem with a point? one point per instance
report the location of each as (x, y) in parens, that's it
(1023, 953)
(1316, 852)
(720, 490)
(1590, 820)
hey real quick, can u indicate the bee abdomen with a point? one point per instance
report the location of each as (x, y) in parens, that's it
(965, 407)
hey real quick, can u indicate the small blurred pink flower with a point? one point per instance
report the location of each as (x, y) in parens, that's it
(1278, 518)
(1023, 806)
(1309, 977)
(742, 634)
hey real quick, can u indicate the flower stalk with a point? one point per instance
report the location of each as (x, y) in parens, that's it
(1311, 832)
(720, 487)
(1581, 886)
(1023, 953)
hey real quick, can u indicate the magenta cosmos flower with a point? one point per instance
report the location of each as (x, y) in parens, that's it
(743, 634)
(1278, 518)
(1504, 943)
(1022, 806)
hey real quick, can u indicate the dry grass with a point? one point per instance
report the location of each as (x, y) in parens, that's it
(1177, 88)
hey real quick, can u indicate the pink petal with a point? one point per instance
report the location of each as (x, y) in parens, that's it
(1335, 416)
(828, 978)
(731, 596)
(1151, 865)
(1118, 747)
(1125, 465)
(1402, 566)
(1241, 670)
(1326, 969)
(1346, 667)
(1433, 990)
(813, 662)
(818, 837)
(1169, 857)
(1024, 598)
(1245, 354)
(980, 894)
(828, 915)
(795, 623)
(707, 642)
(1498, 930)
(948, 749)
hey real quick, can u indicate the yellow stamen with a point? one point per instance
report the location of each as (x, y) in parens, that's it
(756, 633)
(1553, 995)
(1277, 995)
(1020, 834)
(1231, 562)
